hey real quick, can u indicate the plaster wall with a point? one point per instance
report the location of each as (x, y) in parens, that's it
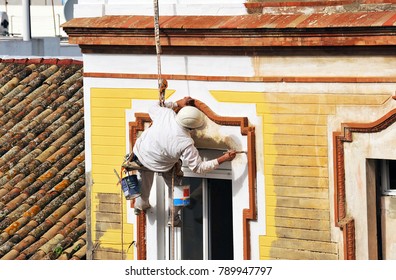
(293, 123)
(364, 146)
(270, 65)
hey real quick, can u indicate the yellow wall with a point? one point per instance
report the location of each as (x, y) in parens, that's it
(111, 235)
(295, 149)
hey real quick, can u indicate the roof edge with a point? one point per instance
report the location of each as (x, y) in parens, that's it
(343, 29)
(54, 61)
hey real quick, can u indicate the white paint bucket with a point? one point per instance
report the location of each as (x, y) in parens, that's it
(181, 196)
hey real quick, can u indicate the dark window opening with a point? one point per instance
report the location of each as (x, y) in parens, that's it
(378, 194)
(392, 174)
(385, 185)
(219, 220)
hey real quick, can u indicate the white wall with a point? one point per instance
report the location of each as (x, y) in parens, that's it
(318, 66)
(45, 22)
(95, 8)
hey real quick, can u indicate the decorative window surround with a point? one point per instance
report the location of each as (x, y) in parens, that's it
(249, 214)
(342, 220)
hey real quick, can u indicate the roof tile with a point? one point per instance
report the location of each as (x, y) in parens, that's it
(314, 20)
(42, 181)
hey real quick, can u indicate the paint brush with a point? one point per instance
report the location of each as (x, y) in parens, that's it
(118, 176)
(237, 152)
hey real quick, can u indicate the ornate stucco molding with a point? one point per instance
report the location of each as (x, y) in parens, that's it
(342, 220)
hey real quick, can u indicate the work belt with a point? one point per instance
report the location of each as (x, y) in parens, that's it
(133, 164)
(137, 161)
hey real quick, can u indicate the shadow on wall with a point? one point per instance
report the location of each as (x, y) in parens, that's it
(212, 136)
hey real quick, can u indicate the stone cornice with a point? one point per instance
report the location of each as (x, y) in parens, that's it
(321, 30)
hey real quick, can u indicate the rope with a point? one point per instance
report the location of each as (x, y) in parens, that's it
(172, 255)
(162, 84)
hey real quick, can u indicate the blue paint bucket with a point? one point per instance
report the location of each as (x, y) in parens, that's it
(130, 186)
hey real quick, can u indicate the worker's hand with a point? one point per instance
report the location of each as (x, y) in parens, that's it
(227, 156)
(185, 101)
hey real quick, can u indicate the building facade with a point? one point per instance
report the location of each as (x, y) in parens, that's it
(305, 89)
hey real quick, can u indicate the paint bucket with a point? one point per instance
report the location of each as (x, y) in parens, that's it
(181, 196)
(130, 186)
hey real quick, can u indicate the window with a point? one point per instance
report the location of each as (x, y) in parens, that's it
(151, 229)
(388, 177)
(207, 230)
(381, 193)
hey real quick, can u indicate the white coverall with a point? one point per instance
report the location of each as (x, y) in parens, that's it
(162, 145)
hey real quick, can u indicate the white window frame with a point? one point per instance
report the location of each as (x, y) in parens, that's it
(225, 174)
(385, 179)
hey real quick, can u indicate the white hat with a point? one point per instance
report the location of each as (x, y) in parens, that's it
(190, 117)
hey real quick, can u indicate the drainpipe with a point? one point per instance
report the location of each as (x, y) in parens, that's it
(26, 32)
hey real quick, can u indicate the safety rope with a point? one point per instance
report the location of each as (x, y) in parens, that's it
(162, 84)
(172, 253)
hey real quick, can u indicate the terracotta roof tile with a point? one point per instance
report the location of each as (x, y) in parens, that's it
(283, 21)
(368, 28)
(42, 177)
(387, 17)
(314, 20)
(391, 21)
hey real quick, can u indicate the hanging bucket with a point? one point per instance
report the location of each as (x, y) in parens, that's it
(181, 196)
(130, 186)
